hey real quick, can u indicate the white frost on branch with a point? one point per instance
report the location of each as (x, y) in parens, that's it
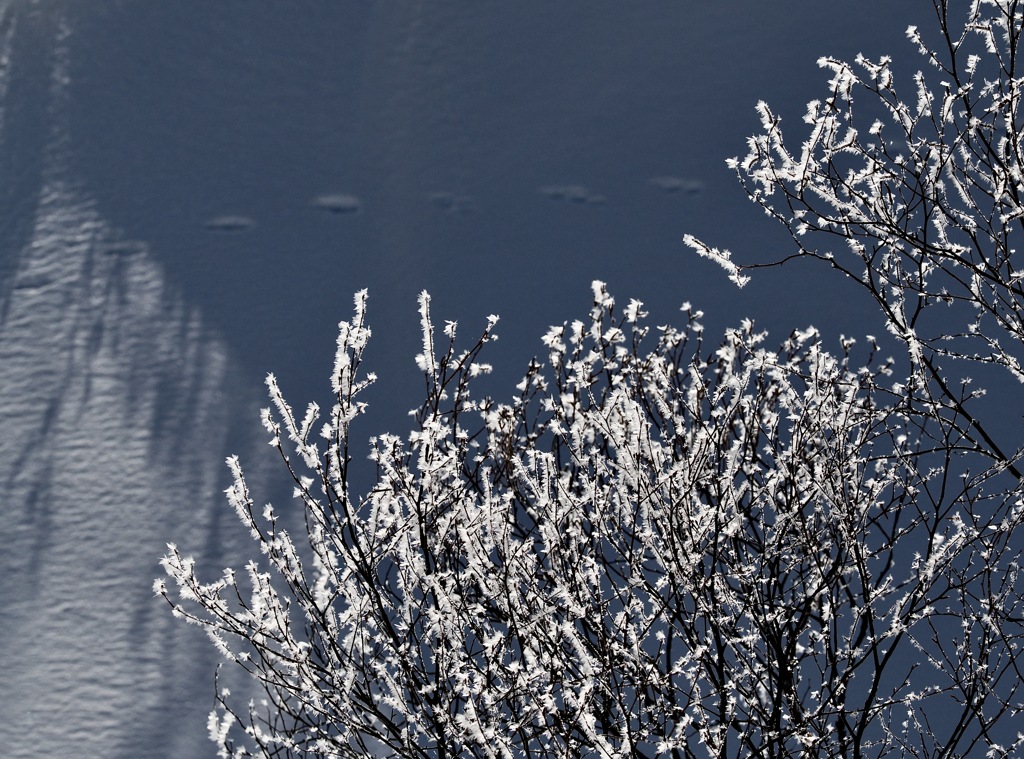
(721, 257)
(646, 543)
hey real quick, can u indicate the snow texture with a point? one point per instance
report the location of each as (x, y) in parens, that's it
(115, 411)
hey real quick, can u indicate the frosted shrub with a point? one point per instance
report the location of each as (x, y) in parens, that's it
(651, 550)
(914, 191)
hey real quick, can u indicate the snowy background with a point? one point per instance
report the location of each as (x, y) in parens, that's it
(190, 192)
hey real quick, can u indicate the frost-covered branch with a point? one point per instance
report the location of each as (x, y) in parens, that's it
(917, 195)
(652, 549)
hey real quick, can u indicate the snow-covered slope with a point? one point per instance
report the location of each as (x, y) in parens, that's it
(115, 408)
(190, 192)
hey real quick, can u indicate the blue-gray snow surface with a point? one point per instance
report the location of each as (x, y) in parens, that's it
(190, 192)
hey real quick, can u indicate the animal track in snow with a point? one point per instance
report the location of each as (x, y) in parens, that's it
(678, 184)
(338, 203)
(230, 223)
(572, 193)
(451, 203)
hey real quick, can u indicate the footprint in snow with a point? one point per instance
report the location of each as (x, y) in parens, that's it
(572, 193)
(230, 223)
(678, 184)
(338, 203)
(451, 203)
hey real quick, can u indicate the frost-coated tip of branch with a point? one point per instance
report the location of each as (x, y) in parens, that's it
(283, 409)
(721, 257)
(601, 295)
(634, 311)
(352, 339)
(298, 436)
(425, 360)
